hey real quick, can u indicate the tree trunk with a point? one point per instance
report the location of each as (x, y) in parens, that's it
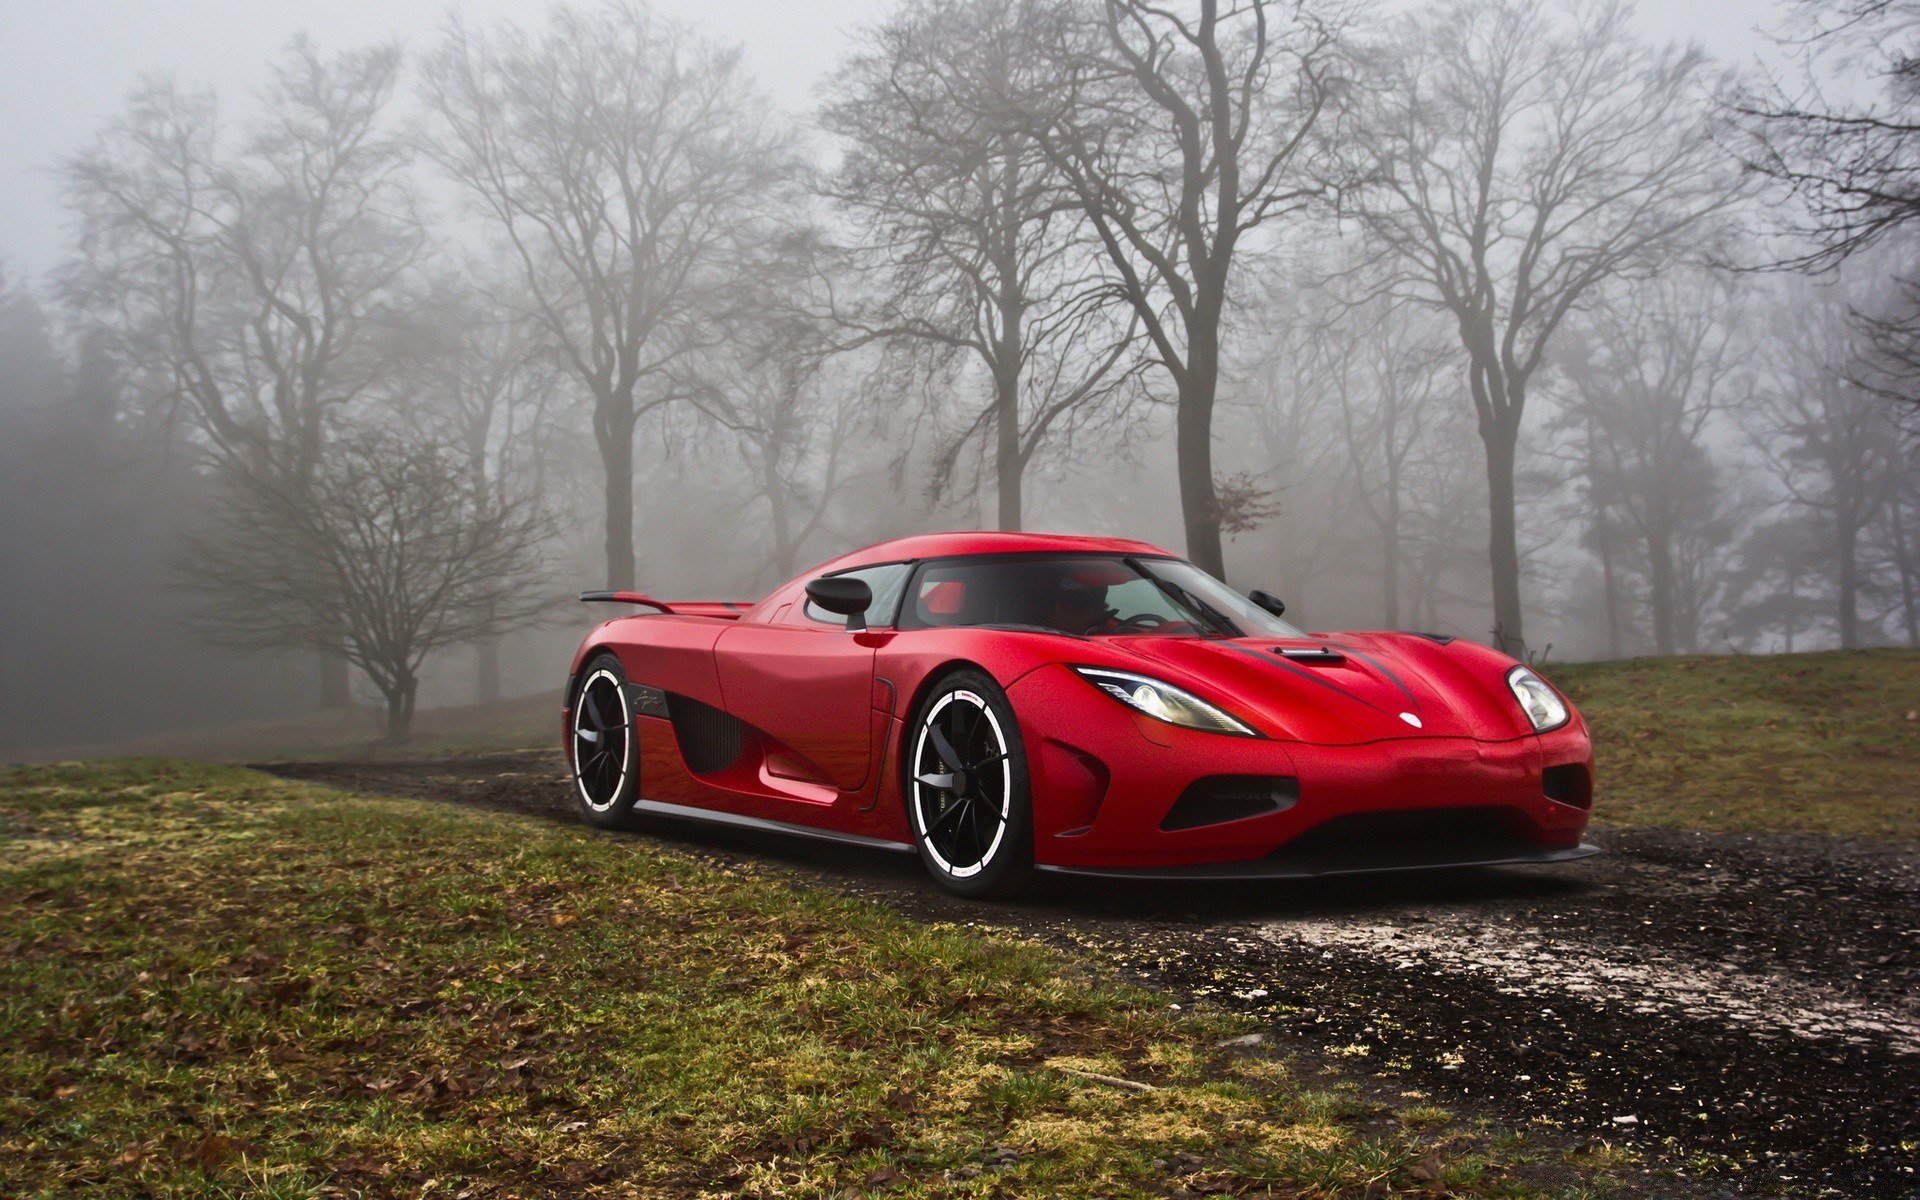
(1903, 560)
(489, 670)
(1660, 576)
(1603, 535)
(1007, 465)
(614, 432)
(1390, 566)
(1193, 445)
(1610, 585)
(777, 511)
(1793, 597)
(1849, 539)
(400, 709)
(1503, 542)
(335, 688)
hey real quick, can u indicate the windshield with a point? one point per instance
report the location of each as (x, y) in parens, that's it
(1082, 595)
(1203, 590)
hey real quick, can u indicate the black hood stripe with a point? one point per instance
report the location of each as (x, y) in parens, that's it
(1307, 675)
(1383, 669)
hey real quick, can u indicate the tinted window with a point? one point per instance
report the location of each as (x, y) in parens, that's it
(1078, 595)
(886, 580)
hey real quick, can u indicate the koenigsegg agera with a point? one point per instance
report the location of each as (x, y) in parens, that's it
(1003, 703)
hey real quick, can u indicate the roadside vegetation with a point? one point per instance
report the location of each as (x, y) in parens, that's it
(215, 983)
(1823, 743)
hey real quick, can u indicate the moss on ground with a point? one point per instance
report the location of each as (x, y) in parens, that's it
(219, 984)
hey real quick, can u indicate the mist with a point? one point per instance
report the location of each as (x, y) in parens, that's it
(326, 391)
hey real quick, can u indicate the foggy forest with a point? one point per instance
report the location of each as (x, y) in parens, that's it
(1492, 318)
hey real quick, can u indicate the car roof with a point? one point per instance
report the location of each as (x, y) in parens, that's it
(985, 541)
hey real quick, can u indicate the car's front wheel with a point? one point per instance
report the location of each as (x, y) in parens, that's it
(968, 798)
(606, 756)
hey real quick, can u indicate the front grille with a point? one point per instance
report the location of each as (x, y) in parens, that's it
(1405, 826)
(1218, 799)
(1409, 838)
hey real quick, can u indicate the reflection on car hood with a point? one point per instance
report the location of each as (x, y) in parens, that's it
(1382, 685)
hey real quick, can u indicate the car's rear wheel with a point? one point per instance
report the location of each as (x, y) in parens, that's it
(606, 756)
(968, 798)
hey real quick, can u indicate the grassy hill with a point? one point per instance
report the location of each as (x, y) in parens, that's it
(1821, 743)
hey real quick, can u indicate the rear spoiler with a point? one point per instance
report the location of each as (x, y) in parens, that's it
(724, 609)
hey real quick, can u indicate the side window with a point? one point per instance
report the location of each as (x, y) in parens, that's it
(887, 582)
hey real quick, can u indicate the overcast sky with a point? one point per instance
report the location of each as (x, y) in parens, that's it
(66, 66)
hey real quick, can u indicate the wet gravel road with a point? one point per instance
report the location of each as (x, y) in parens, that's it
(1743, 1009)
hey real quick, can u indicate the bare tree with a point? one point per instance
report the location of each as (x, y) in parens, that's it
(1182, 130)
(483, 378)
(251, 292)
(1851, 160)
(390, 536)
(1356, 416)
(771, 388)
(626, 163)
(1445, 523)
(1900, 531)
(1854, 162)
(1651, 367)
(1780, 580)
(975, 245)
(1514, 156)
(1277, 401)
(1392, 373)
(1831, 444)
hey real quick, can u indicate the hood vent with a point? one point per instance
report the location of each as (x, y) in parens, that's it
(1310, 654)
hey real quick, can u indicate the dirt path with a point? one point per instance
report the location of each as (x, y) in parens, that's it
(1742, 1008)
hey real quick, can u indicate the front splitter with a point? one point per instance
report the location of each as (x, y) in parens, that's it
(1281, 867)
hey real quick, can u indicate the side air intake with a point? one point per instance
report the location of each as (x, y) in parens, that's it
(1218, 799)
(709, 738)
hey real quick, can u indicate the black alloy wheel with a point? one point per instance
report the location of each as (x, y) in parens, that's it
(606, 758)
(968, 798)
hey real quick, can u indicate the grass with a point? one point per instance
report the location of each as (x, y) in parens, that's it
(345, 733)
(1824, 743)
(217, 984)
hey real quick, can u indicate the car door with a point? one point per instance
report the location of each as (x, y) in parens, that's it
(807, 683)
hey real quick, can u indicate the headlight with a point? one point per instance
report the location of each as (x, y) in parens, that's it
(1163, 701)
(1542, 704)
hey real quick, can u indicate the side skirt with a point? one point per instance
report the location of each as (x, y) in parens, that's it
(684, 812)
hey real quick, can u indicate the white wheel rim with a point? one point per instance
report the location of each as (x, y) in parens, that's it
(585, 735)
(941, 802)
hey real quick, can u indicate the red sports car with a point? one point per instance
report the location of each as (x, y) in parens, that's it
(1003, 703)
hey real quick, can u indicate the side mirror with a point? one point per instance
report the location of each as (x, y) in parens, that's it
(1268, 601)
(844, 595)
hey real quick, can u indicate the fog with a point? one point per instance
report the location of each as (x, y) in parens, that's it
(339, 350)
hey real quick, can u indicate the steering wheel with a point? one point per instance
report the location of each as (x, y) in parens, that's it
(1139, 623)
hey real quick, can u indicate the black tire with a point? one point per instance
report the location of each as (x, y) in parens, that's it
(605, 754)
(975, 833)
